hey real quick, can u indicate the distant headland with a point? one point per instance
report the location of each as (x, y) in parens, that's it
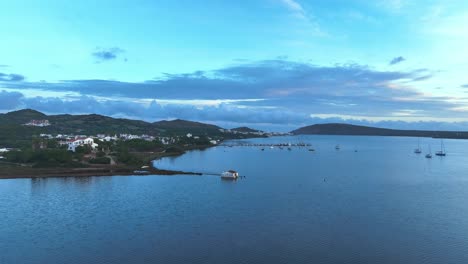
(347, 129)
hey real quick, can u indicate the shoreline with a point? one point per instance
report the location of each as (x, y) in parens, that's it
(26, 172)
(31, 173)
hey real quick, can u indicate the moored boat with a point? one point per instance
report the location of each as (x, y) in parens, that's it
(230, 175)
(429, 155)
(441, 152)
(418, 149)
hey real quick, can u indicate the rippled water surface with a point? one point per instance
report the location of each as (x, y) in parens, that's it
(381, 204)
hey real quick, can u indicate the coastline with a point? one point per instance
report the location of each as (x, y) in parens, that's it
(85, 172)
(24, 172)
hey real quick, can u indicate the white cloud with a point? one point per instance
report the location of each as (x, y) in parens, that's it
(393, 5)
(293, 5)
(311, 24)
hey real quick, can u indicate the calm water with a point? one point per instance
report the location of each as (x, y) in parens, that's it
(382, 204)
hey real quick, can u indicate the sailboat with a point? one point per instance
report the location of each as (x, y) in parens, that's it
(429, 155)
(418, 149)
(441, 152)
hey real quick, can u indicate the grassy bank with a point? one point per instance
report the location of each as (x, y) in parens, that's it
(141, 164)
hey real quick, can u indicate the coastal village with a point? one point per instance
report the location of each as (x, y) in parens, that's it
(127, 150)
(74, 141)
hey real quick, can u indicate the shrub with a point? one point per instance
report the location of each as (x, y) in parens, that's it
(100, 160)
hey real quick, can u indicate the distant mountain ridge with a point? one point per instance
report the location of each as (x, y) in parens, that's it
(99, 124)
(347, 129)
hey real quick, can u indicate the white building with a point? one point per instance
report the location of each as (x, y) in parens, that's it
(108, 138)
(3, 150)
(38, 123)
(73, 144)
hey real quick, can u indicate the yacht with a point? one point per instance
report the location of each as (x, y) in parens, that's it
(441, 152)
(429, 155)
(418, 149)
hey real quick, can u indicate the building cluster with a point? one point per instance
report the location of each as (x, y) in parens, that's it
(3, 151)
(212, 141)
(74, 141)
(189, 135)
(38, 123)
(130, 137)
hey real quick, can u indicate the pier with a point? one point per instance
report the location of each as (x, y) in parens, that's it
(268, 145)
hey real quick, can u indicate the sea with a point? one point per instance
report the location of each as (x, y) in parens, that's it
(372, 201)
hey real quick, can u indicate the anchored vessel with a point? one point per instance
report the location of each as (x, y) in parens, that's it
(429, 155)
(418, 149)
(441, 152)
(230, 175)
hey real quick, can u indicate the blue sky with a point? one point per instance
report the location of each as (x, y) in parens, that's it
(275, 64)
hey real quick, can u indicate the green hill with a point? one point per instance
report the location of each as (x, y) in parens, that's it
(13, 132)
(180, 127)
(21, 117)
(245, 130)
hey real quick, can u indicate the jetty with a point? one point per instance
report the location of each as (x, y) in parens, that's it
(279, 145)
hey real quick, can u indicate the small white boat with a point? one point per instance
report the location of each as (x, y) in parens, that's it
(230, 175)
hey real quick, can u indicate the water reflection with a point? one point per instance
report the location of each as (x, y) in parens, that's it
(383, 204)
(41, 185)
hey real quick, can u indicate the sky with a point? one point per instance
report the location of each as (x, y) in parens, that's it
(267, 64)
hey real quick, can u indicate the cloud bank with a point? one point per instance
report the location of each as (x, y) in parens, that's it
(278, 92)
(12, 77)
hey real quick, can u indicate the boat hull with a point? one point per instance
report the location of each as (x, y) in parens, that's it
(228, 178)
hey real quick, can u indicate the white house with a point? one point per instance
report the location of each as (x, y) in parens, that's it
(38, 123)
(107, 138)
(189, 135)
(3, 150)
(74, 143)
